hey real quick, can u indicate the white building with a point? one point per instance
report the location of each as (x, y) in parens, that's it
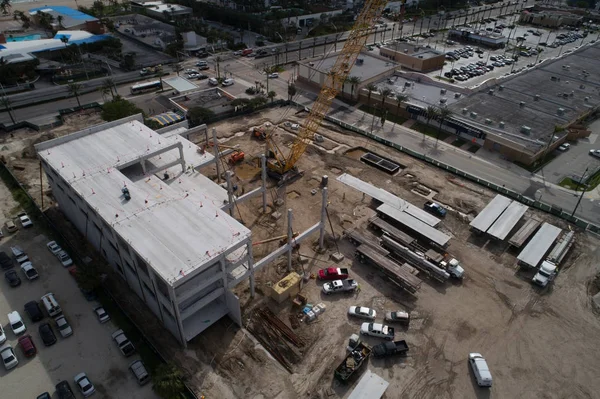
(171, 242)
(161, 10)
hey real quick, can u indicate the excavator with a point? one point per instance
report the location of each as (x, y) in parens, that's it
(283, 167)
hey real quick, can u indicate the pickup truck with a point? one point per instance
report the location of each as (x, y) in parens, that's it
(390, 348)
(340, 286)
(398, 316)
(333, 273)
(124, 344)
(435, 208)
(377, 330)
(546, 274)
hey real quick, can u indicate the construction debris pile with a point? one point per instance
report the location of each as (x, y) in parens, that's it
(281, 342)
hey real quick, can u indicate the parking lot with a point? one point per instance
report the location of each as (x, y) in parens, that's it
(90, 349)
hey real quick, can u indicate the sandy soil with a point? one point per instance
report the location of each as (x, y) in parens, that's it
(538, 343)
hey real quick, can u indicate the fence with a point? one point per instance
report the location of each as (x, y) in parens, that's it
(502, 190)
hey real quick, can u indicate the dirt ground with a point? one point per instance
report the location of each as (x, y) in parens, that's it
(538, 343)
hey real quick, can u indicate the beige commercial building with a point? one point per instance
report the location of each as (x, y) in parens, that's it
(414, 57)
(550, 19)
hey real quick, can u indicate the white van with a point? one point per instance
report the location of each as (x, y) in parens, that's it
(52, 307)
(480, 369)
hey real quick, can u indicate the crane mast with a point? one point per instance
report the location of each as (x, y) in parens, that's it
(334, 82)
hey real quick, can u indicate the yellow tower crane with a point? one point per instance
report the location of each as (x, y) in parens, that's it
(284, 167)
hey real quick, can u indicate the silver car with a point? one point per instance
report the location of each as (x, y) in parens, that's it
(362, 312)
(63, 326)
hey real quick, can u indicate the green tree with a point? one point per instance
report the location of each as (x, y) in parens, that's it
(152, 124)
(177, 68)
(167, 381)
(59, 19)
(431, 112)
(199, 115)
(104, 91)
(119, 108)
(292, 91)
(5, 6)
(272, 95)
(385, 92)
(400, 98)
(75, 90)
(109, 85)
(443, 114)
(353, 80)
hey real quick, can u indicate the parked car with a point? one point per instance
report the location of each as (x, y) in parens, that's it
(139, 371)
(595, 153)
(85, 385)
(333, 273)
(362, 312)
(397, 317)
(213, 81)
(64, 258)
(11, 227)
(19, 254)
(33, 311)
(101, 314)
(480, 369)
(27, 345)
(273, 75)
(29, 271)
(45, 395)
(64, 391)
(2, 335)
(564, 147)
(228, 82)
(5, 261)
(47, 335)
(16, 323)
(24, 219)
(123, 343)
(377, 330)
(63, 326)
(54, 247)
(12, 278)
(9, 358)
(202, 76)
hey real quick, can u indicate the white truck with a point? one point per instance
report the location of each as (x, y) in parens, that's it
(377, 330)
(447, 263)
(546, 274)
(340, 286)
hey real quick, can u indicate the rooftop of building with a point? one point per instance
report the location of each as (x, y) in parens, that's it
(369, 67)
(19, 51)
(481, 33)
(174, 223)
(414, 50)
(168, 8)
(420, 94)
(70, 16)
(567, 87)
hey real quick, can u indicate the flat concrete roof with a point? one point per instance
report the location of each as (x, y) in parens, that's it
(414, 50)
(371, 66)
(560, 84)
(180, 84)
(420, 94)
(490, 213)
(508, 220)
(176, 224)
(415, 224)
(535, 250)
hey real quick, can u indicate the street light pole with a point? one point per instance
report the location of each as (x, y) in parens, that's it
(582, 192)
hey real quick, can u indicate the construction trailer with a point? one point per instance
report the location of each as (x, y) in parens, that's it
(538, 247)
(400, 275)
(484, 220)
(405, 254)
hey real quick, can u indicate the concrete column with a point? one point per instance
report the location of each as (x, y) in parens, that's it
(263, 163)
(177, 316)
(251, 268)
(216, 147)
(228, 175)
(181, 157)
(290, 236)
(323, 218)
(143, 163)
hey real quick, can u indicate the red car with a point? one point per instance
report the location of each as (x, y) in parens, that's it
(27, 345)
(333, 273)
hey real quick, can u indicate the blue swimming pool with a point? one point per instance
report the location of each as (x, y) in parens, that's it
(23, 38)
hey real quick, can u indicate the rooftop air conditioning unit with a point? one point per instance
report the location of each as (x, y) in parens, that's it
(488, 121)
(522, 104)
(587, 99)
(526, 130)
(582, 87)
(491, 91)
(456, 95)
(464, 110)
(560, 111)
(501, 87)
(473, 115)
(443, 91)
(501, 124)
(536, 97)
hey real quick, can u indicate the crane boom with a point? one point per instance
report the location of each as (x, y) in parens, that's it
(334, 81)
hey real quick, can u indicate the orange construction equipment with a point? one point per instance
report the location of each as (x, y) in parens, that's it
(260, 133)
(236, 157)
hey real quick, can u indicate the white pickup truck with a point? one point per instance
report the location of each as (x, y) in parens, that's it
(340, 286)
(377, 330)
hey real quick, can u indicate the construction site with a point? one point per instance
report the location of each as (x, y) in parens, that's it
(284, 350)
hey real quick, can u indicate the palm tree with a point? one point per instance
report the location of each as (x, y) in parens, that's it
(75, 89)
(5, 6)
(109, 85)
(354, 81)
(218, 62)
(431, 112)
(444, 114)
(65, 40)
(400, 98)
(59, 19)
(271, 95)
(6, 103)
(103, 91)
(291, 91)
(370, 88)
(167, 381)
(384, 94)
